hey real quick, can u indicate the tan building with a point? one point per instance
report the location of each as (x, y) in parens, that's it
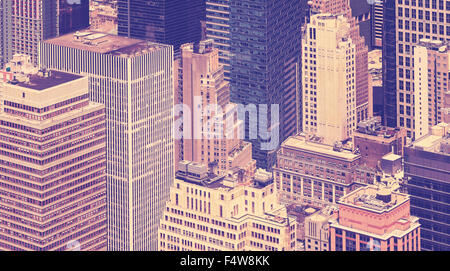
(211, 212)
(52, 164)
(317, 174)
(431, 69)
(360, 77)
(317, 229)
(375, 218)
(213, 140)
(329, 86)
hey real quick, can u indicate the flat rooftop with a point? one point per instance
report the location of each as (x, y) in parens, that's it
(41, 82)
(105, 43)
(438, 141)
(300, 143)
(373, 198)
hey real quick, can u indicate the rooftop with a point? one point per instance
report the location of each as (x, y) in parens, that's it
(105, 43)
(435, 45)
(375, 199)
(438, 141)
(45, 79)
(300, 142)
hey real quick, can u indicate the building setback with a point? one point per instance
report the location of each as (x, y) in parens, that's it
(52, 164)
(215, 139)
(134, 80)
(427, 168)
(208, 212)
(373, 218)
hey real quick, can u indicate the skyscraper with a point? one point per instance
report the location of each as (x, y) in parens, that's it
(215, 138)
(52, 164)
(342, 7)
(34, 21)
(427, 167)
(72, 15)
(5, 32)
(265, 48)
(431, 73)
(172, 22)
(134, 79)
(329, 85)
(414, 20)
(218, 29)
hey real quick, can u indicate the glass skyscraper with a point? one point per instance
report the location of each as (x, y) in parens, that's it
(73, 15)
(172, 22)
(265, 48)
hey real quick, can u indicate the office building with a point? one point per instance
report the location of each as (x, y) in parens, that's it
(431, 73)
(209, 212)
(5, 32)
(329, 86)
(374, 219)
(356, 34)
(72, 16)
(427, 168)
(32, 22)
(52, 164)
(310, 172)
(406, 23)
(134, 80)
(265, 48)
(173, 22)
(215, 139)
(374, 140)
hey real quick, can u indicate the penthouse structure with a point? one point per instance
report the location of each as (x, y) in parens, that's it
(310, 172)
(431, 79)
(427, 168)
(317, 229)
(373, 141)
(209, 212)
(134, 80)
(52, 164)
(373, 218)
(215, 138)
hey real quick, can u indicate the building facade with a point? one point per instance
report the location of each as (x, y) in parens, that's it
(173, 22)
(52, 163)
(431, 74)
(310, 172)
(265, 48)
(414, 20)
(215, 138)
(375, 219)
(72, 16)
(5, 32)
(210, 213)
(427, 168)
(328, 72)
(134, 80)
